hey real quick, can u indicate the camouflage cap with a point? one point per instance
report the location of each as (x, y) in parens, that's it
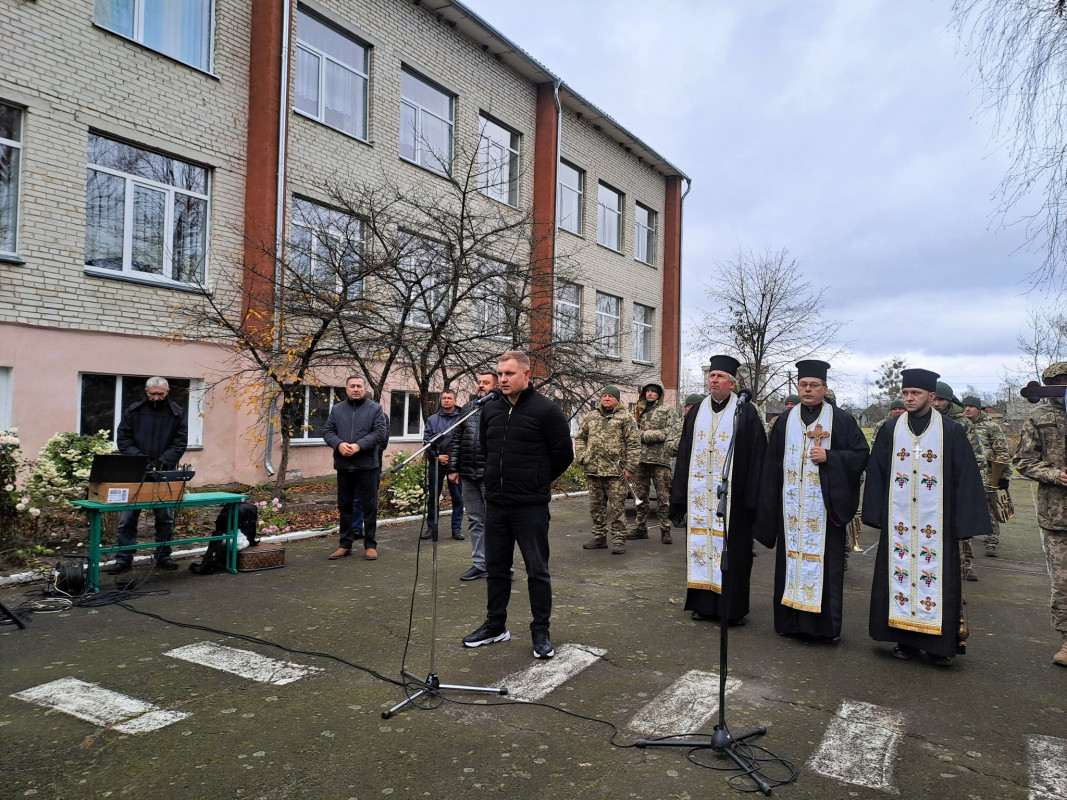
(1052, 370)
(971, 400)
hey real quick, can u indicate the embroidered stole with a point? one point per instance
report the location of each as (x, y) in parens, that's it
(917, 558)
(803, 511)
(704, 535)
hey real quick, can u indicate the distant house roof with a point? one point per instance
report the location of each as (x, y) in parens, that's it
(506, 51)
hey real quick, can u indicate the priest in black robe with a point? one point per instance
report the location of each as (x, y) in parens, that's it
(964, 514)
(836, 467)
(749, 440)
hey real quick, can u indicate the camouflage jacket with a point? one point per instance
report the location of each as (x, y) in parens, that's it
(657, 425)
(993, 438)
(955, 413)
(1042, 456)
(878, 425)
(604, 439)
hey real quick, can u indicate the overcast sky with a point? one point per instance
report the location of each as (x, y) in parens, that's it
(847, 131)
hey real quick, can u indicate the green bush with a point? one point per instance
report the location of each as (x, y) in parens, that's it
(573, 480)
(19, 520)
(61, 472)
(404, 492)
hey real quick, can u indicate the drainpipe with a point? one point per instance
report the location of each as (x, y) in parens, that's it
(279, 214)
(681, 233)
(555, 210)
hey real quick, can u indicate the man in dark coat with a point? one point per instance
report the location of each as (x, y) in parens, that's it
(810, 491)
(357, 430)
(925, 493)
(527, 444)
(155, 427)
(706, 435)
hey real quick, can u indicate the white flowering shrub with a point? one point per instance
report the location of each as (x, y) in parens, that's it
(61, 473)
(18, 516)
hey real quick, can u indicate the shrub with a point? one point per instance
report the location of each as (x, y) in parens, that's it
(271, 520)
(404, 492)
(61, 472)
(573, 480)
(18, 518)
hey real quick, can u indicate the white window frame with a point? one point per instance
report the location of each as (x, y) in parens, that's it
(423, 155)
(491, 300)
(566, 190)
(498, 162)
(336, 394)
(194, 414)
(608, 325)
(567, 313)
(361, 71)
(645, 235)
(329, 231)
(426, 302)
(136, 32)
(409, 398)
(7, 398)
(134, 182)
(16, 176)
(608, 215)
(643, 332)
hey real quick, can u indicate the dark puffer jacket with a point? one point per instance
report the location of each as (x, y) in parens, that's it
(161, 433)
(526, 446)
(465, 454)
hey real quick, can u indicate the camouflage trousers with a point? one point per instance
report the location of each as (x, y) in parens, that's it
(1055, 545)
(607, 506)
(660, 477)
(991, 542)
(966, 555)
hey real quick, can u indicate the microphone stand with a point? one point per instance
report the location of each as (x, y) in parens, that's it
(723, 741)
(432, 684)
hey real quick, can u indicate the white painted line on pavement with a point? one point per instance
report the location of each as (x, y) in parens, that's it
(540, 678)
(244, 663)
(859, 745)
(100, 706)
(1048, 767)
(684, 706)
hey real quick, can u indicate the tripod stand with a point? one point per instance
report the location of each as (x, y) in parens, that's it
(723, 741)
(432, 685)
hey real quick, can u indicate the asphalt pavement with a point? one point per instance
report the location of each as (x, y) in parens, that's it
(273, 684)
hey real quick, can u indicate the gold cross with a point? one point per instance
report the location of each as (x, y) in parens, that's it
(817, 435)
(724, 436)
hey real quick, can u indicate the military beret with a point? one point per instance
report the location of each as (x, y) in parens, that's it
(943, 391)
(971, 400)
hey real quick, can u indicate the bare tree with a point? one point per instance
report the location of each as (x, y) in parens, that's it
(1019, 51)
(769, 315)
(1043, 342)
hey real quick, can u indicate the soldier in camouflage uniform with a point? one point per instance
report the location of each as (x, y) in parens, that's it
(1042, 456)
(896, 408)
(996, 449)
(607, 437)
(657, 424)
(947, 403)
(790, 401)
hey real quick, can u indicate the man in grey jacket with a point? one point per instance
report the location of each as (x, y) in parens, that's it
(358, 431)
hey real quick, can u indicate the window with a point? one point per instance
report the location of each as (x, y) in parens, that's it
(104, 398)
(326, 248)
(10, 166)
(425, 124)
(146, 214)
(492, 302)
(568, 312)
(609, 217)
(307, 416)
(645, 234)
(642, 333)
(7, 393)
(331, 76)
(180, 29)
(607, 324)
(569, 198)
(422, 288)
(405, 415)
(498, 162)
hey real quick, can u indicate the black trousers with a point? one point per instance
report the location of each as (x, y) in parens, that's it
(364, 484)
(527, 526)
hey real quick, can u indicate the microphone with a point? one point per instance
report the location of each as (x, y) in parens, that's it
(744, 396)
(481, 401)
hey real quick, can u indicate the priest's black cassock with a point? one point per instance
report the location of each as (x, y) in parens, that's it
(750, 440)
(839, 480)
(965, 514)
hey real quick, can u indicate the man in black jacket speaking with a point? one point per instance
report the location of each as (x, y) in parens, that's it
(527, 445)
(358, 431)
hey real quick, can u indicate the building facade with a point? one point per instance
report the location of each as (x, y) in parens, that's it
(148, 150)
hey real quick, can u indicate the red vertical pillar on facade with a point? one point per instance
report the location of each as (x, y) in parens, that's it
(543, 245)
(670, 344)
(261, 168)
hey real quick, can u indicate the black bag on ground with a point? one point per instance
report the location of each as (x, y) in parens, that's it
(215, 557)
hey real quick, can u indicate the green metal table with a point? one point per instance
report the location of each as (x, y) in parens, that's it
(97, 510)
